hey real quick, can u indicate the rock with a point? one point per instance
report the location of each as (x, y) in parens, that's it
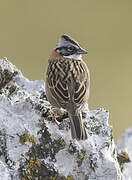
(34, 147)
(4, 173)
(125, 145)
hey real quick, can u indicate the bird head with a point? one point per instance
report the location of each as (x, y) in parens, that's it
(69, 48)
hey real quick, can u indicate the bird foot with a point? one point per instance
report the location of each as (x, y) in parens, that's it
(56, 113)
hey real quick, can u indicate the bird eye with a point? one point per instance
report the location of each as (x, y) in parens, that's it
(71, 48)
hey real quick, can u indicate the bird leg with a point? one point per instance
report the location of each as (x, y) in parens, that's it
(56, 113)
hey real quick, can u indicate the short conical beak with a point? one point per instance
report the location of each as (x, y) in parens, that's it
(82, 51)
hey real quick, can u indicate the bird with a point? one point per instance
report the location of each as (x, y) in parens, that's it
(68, 82)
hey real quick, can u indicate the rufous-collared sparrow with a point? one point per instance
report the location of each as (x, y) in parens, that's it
(68, 82)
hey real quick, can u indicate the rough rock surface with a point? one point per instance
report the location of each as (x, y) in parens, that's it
(34, 147)
(125, 144)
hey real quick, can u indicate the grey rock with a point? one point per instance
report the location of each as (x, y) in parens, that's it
(125, 145)
(34, 147)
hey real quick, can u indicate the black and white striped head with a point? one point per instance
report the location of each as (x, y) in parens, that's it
(69, 48)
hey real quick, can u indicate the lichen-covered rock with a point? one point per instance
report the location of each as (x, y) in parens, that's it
(34, 147)
(125, 145)
(4, 173)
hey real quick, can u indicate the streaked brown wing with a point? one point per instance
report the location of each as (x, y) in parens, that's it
(56, 82)
(67, 81)
(81, 82)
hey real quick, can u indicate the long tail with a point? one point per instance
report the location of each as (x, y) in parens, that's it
(77, 128)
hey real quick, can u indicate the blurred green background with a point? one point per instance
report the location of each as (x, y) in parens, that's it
(29, 30)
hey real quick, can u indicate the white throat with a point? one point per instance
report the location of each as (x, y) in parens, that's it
(74, 56)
